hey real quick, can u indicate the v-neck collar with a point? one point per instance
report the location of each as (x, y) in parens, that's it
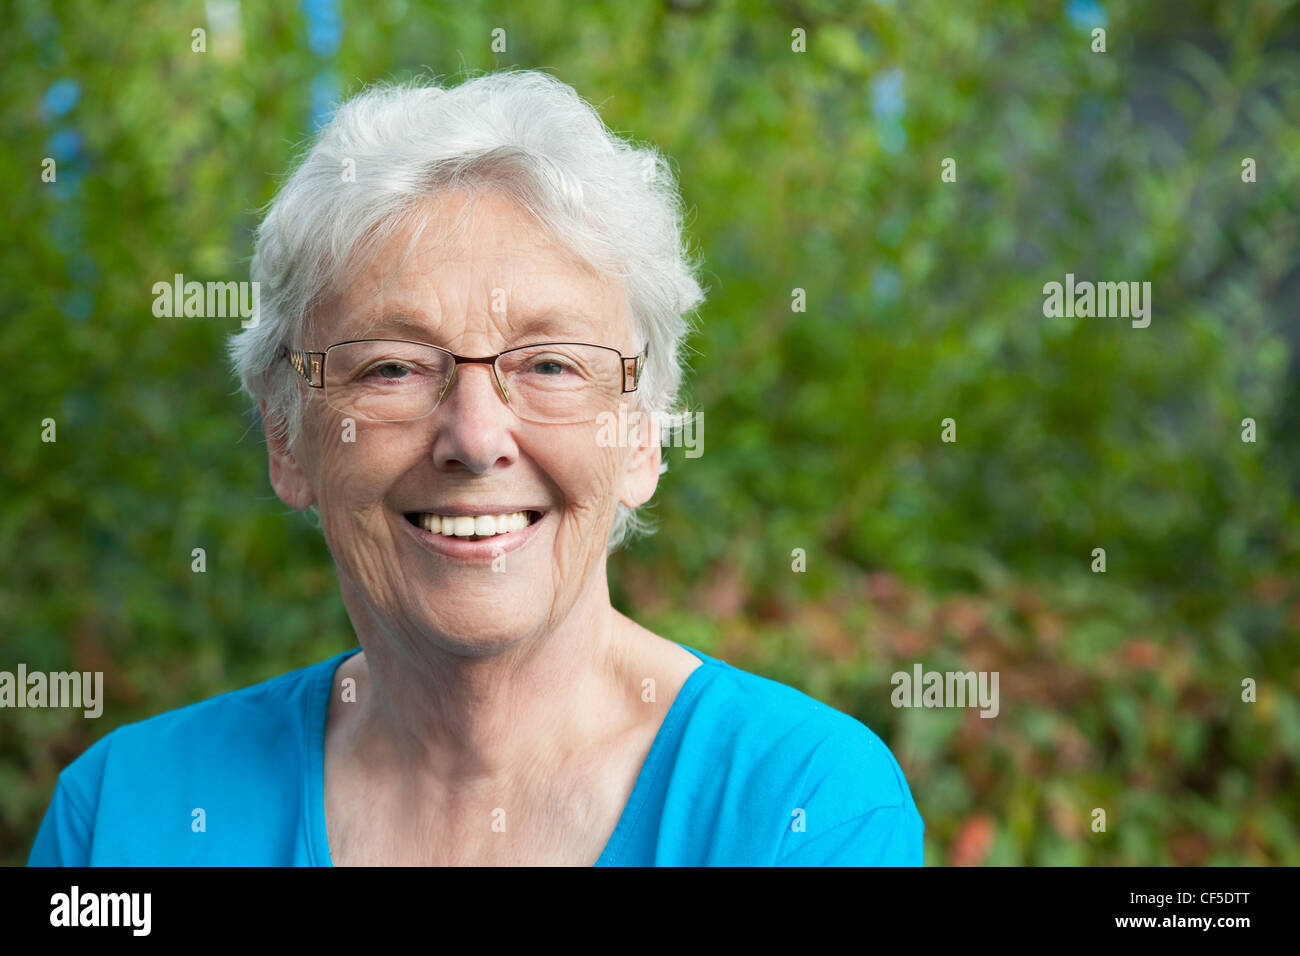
(318, 850)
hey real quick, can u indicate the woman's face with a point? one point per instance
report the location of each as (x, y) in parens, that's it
(499, 283)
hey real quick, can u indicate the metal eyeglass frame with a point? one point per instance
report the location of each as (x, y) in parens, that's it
(311, 365)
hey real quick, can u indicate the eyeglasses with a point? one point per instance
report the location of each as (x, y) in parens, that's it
(388, 380)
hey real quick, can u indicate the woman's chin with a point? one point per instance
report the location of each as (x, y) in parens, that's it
(479, 634)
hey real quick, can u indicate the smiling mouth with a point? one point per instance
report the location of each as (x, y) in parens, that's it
(473, 527)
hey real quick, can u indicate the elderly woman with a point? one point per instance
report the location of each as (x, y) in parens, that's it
(459, 287)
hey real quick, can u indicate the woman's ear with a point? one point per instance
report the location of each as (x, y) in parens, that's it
(641, 473)
(287, 477)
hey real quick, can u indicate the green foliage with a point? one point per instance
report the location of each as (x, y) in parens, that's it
(818, 171)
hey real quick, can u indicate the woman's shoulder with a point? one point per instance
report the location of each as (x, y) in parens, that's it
(259, 713)
(772, 776)
(172, 771)
(764, 728)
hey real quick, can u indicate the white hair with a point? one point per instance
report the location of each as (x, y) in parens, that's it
(521, 133)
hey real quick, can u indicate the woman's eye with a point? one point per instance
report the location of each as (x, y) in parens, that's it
(389, 370)
(552, 367)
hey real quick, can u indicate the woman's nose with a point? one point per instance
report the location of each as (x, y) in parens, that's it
(473, 420)
(484, 371)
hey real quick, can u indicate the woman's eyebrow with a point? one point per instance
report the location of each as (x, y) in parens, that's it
(418, 327)
(396, 321)
(554, 322)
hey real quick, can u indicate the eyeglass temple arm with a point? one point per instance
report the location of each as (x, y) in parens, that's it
(632, 367)
(303, 361)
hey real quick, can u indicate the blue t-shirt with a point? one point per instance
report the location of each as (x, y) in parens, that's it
(744, 771)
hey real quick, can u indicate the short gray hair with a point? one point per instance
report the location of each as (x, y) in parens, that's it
(522, 133)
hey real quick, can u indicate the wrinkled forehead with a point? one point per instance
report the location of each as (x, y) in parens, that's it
(464, 263)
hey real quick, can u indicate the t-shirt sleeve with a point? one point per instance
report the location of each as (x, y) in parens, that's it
(858, 807)
(886, 836)
(64, 838)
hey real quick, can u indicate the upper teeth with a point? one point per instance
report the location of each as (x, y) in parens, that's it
(464, 526)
